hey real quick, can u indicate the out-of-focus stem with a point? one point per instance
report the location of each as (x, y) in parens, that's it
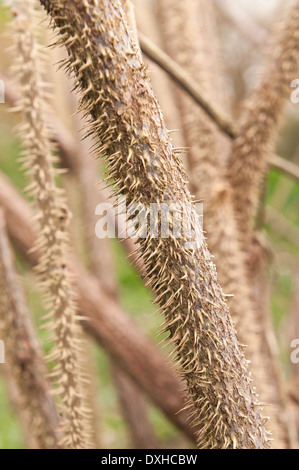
(260, 120)
(53, 217)
(26, 372)
(134, 410)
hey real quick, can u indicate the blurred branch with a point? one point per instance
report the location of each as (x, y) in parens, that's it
(178, 74)
(134, 409)
(105, 321)
(260, 120)
(24, 355)
(295, 316)
(59, 133)
(293, 385)
(281, 225)
(243, 21)
(16, 403)
(286, 166)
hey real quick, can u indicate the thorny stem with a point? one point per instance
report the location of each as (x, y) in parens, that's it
(129, 129)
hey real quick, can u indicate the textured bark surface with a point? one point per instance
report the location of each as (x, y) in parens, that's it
(25, 370)
(130, 131)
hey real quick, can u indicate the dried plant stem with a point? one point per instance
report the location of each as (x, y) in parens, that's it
(68, 147)
(193, 47)
(260, 120)
(53, 217)
(185, 42)
(128, 126)
(105, 321)
(23, 354)
(251, 149)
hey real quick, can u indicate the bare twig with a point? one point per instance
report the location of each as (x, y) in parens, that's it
(286, 166)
